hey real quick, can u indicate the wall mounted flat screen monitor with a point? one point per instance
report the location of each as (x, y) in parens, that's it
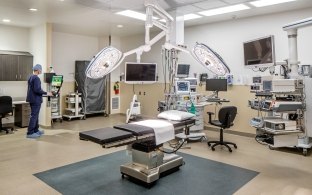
(57, 80)
(259, 53)
(140, 73)
(183, 70)
(216, 85)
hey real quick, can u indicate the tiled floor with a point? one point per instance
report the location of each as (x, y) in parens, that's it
(284, 171)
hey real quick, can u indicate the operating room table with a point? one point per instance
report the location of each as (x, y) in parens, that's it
(149, 160)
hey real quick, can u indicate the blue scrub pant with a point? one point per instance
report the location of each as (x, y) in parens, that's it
(34, 116)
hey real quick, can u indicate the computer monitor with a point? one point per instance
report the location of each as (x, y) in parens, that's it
(216, 85)
(57, 80)
(182, 87)
(183, 70)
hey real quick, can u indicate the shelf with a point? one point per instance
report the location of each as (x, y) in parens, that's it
(280, 132)
(72, 102)
(72, 109)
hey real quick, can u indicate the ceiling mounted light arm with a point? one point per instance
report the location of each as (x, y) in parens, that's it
(109, 58)
(170, 46)
(210, 59)
(147, 46)
(159, 10)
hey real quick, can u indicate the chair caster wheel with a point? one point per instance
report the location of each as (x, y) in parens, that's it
(235, 146)
(212, 149)
(230, 150)
(209, 144)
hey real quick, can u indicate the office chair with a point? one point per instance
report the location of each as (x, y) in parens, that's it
(5, 109)
(225, 120)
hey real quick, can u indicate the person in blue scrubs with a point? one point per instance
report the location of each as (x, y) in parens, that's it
(34, 97)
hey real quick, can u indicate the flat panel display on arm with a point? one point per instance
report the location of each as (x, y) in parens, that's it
(140, 73)
(259, 53)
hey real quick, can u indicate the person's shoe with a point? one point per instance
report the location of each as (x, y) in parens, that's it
(41, 132)
(33, 136)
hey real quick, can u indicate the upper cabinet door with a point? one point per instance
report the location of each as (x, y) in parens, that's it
(9, 64)
(25, 64)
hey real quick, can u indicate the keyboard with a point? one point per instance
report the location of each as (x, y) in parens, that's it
(216, 100)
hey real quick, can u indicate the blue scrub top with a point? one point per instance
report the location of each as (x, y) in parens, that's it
(34, 91)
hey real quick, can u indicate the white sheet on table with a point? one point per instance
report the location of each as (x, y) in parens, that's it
(164, 131)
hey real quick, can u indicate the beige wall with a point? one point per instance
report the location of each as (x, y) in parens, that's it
(238, 96)
(149, 101)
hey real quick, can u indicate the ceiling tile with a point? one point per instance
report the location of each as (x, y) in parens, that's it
(186, 1)
(210, 4)
(188, 9)
(122, 4)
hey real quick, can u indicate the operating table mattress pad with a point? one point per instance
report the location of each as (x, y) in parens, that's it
(136, 130)
(105, 135)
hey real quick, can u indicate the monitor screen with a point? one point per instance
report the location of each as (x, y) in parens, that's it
(57, 80)
(182, 87)
(216, 85)
(183, 70)
(140, 72)
(259, 53)
(267, 86)
(193, 81)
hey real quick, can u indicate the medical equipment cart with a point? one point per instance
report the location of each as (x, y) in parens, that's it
(73, 109)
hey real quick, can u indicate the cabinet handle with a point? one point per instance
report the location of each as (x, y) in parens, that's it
(20, 76)
(16, 76)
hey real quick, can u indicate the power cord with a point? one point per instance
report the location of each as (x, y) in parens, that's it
(174, 151)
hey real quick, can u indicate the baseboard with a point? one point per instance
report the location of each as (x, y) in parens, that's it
(230, 132)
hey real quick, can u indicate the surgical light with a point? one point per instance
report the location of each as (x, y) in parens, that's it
(104, 62)
(210, 59)
(109, 58)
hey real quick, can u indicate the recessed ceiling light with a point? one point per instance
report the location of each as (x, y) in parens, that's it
(61, 0)
(119, 25)
(186, 17)
(33, 9)
(191, 16)
(262, 3)
(6, 20)
(224, 10)
(133, 14)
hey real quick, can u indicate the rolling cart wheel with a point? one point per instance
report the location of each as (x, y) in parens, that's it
(105, 115)
(122, 176)
(305, 152)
